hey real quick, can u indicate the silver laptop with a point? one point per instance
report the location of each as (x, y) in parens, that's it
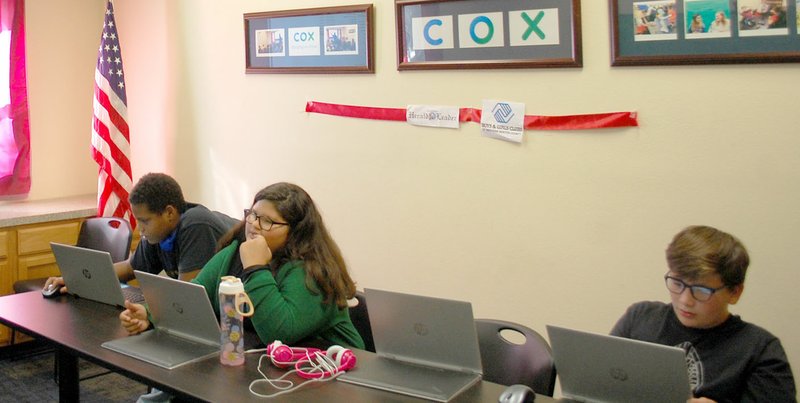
(186, 328)
(601, 368)
(90, 274)
(427, 347)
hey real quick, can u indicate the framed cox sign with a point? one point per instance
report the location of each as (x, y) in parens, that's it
(487, 34)
(314, 40)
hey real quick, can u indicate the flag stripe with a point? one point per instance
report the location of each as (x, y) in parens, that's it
(107, 149)
(111, 104)
(104, 112)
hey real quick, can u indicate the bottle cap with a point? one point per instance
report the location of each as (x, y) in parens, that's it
(230, 285)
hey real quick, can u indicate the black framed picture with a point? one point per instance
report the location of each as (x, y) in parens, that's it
(676, 32)
(316, 40)
(487, 34)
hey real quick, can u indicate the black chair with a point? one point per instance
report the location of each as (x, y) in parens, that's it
(508, 363)
(359, 315)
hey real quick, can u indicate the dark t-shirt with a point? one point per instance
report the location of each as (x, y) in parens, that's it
(733, 362)
(195, 242)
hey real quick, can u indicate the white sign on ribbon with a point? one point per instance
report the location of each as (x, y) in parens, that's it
(503, 120)
(433, 116)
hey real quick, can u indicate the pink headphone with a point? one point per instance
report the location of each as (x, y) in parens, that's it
(283, 356)
(318, 366)
(309, 363)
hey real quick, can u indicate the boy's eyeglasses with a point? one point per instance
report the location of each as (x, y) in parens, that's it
(699, 292)
(264, 222)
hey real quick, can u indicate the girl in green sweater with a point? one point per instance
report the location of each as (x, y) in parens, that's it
(291, 268)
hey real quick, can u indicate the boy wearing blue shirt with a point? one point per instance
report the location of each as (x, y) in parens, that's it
(177, 237)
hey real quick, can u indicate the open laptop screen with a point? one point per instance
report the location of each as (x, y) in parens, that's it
(427, 347)
(186, 328)
(90, 274)
(601, 368)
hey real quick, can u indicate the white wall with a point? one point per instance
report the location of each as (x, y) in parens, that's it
(62, 38)
(568, 228)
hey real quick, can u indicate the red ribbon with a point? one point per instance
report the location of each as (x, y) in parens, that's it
(532, 122)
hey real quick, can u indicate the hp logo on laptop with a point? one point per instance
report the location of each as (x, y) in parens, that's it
(177, 307)
(87, 273)
(618, 374)
(421, 329)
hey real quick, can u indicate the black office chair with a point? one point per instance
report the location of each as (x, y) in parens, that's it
(359, 315)
(508, 363)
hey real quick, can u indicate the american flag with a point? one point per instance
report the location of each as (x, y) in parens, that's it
(110, 137)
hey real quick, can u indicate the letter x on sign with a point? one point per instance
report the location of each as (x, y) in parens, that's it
(533, 25)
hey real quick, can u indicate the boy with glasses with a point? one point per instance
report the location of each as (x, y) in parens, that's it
(729, 360)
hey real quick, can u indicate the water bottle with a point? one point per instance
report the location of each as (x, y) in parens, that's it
(234, 306)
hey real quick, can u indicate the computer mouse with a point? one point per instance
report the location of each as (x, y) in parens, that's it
(51, 291)
(517, 394)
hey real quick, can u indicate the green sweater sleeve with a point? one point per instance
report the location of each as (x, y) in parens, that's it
(285, 309)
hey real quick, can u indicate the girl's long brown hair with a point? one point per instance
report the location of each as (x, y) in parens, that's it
(308, 240)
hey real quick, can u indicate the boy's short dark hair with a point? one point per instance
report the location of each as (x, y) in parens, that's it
(157, 191)
(700, 250)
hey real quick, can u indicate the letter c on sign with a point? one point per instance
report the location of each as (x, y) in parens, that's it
(427, 29)
(481, 19)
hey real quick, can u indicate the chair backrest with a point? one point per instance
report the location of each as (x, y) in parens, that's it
(109, 234)
(359, 315)
(507, 363)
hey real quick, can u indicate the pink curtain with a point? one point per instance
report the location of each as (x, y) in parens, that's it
(15, 152)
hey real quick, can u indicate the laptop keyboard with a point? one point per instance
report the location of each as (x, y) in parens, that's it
(133, 294)
(411, 379)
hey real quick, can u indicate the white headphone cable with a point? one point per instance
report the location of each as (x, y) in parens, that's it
(289, 385)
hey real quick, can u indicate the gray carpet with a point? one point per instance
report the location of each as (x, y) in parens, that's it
(26, 375)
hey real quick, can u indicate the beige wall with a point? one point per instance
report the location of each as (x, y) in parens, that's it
(568, 228)
(62, 38)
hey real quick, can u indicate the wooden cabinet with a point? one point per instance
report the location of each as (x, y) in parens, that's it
(5, 277)
(34, 257)
(25, 253)
(5, 268)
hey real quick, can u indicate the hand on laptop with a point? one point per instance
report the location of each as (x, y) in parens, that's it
(56, 282)
(134, 318)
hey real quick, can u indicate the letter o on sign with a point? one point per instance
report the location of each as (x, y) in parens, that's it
(478, 20)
